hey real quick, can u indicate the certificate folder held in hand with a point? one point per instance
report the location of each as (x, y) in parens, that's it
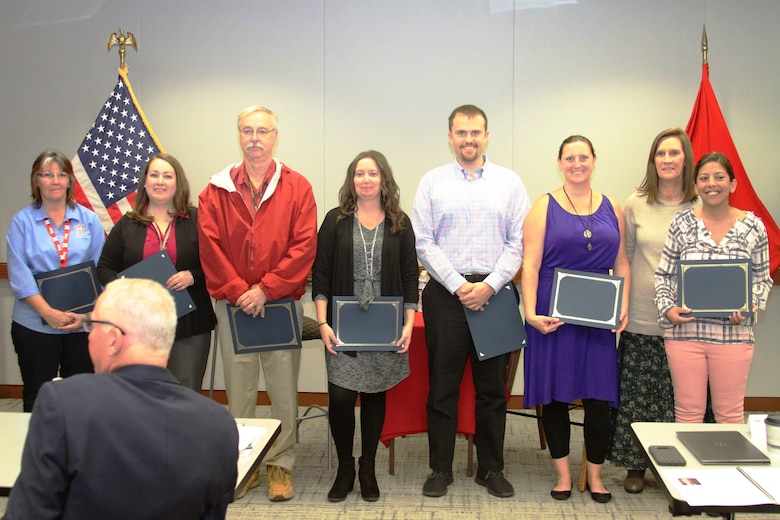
(715, 288)
(377, 328)
(278, 330)
(588, 299)
(159, 268)
(498, 328)
(70, 289)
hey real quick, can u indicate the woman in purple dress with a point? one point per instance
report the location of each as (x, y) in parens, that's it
(577, 228)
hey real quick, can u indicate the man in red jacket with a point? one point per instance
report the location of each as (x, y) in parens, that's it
(257, 229)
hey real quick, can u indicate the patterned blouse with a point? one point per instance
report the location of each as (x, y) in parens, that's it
(689, 239)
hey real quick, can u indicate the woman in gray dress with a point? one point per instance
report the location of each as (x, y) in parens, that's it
(366, 249)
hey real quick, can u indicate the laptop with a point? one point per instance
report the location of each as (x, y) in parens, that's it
(722, 447)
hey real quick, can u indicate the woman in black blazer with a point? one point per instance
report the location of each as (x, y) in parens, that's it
(163, 218)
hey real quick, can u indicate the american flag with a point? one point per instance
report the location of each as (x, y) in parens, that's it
(112, 156)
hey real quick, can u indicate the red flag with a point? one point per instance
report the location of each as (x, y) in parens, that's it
(111, 158)
(708, 132)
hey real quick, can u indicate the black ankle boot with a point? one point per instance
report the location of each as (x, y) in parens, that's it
(345, 481)
(367, 476)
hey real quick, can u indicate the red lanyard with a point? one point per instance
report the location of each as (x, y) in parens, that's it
(62, 250)
(163, 238)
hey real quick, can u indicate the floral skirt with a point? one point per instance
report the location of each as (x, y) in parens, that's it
(646, 394)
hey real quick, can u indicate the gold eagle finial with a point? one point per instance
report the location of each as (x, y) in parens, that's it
(121, 40)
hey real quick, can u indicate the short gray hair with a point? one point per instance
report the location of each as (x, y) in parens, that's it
(254, 109)
(143, 308)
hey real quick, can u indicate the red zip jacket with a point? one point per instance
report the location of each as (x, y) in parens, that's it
(275, 248)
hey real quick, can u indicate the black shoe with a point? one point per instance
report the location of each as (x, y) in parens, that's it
(369, 489)
(345, 482)
(561, 495)
(436, 485)
(601, 498)
(496, 484)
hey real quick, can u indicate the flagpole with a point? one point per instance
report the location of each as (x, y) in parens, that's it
(704, 45)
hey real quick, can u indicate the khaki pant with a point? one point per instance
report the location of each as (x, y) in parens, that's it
(280, 369)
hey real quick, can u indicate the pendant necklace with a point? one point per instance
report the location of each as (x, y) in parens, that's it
(587, 233)
(367, 295)
(369, 258)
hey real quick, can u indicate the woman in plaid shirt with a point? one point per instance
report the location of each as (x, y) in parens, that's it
(714, 349)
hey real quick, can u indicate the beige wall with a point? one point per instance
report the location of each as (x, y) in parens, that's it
(349, 75)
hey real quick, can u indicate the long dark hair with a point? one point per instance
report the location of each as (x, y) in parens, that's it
(389, 191)
(181, 199)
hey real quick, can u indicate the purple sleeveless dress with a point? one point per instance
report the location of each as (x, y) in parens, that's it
(574, 362)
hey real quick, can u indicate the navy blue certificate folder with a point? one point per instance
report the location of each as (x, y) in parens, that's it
(587, 299)
(499, 328)
(377, 328)
(278, 330)
(715, 288)
(159, 268)
(71, 289)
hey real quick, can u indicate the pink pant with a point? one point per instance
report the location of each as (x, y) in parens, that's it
(693, 363)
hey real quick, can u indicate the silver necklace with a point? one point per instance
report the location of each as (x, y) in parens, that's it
(369, 262)
(587, 233)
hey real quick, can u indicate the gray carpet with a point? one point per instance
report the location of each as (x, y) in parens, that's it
(528, 468)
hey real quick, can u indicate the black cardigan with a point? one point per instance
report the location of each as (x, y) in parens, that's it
(124, 247)
(332, 273)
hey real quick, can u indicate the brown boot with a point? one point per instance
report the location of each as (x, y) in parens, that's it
(635, 481)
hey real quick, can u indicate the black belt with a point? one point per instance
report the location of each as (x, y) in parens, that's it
(474, 278)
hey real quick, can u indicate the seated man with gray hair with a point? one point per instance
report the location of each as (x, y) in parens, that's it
(129, 441)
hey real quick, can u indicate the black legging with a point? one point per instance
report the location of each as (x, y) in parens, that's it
(341, 415)
(597, 430)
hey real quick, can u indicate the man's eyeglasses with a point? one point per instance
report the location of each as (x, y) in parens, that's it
(88, 323)
(261, 132)
(50, 175)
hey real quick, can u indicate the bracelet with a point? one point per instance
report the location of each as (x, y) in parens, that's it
(323, 323)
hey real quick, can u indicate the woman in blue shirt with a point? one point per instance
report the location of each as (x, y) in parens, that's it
(52, 233)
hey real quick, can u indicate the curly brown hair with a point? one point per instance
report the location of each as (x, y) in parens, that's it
(389, 191)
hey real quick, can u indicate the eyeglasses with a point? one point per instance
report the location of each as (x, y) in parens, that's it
(260, 132)
(50, 175)
(88, 323)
